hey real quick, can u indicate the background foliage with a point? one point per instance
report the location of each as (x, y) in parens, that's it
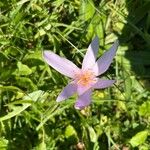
(30, 119)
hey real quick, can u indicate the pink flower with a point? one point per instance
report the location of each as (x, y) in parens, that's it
(84, 80)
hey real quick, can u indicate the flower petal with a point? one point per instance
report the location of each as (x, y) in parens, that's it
(82, 89)
(104, 62)
(83, 100)
(62, 65)
(90, 56)
(101, 84)
(68, 91)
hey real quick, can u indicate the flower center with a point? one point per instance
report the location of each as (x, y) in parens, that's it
(85, 78)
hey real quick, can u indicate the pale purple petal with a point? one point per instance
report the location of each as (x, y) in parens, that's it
(83, 100)
(62, 65)
(82, 89)
(101, 84)
(68, 91)
(104, 62)
(90, 56)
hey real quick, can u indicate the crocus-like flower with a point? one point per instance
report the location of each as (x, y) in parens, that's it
(86, 79)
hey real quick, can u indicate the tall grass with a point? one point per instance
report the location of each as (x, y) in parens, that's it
(30, 118)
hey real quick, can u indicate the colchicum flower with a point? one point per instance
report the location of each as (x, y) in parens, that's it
(86, 79)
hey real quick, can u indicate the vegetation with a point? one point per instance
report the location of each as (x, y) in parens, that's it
(30, 117)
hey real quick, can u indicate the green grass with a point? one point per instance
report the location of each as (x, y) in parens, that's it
(30, 117)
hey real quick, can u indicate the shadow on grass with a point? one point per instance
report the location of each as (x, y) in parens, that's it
(136, 34)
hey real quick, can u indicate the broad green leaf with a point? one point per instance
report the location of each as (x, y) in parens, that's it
(34, 59)
(26, 83)
(100, 32)
(40, 33)
(23, 69)
(36, 7)
(137, 86)
(92, 134)
(122, 105)
(70, 131)
(139, 138)
(3, 144)
(42, 146)
(110, 38)
(57, 3)
(144, 109)
(9, 88)
(5, 73)
(144, 147)
(87, 9)
(18, 109)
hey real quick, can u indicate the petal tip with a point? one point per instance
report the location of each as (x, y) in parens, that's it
(113, 81)
(78, 107)
(60, 98)
(45, 51)
(45, 54)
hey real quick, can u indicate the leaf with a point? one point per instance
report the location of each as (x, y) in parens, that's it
(87, 9)
(34, 59)
(128, 86)
(5, 73)
(9, 88)
(144, 109)
(93, 136)
(40, 33)
(70, 131)
(57, 3)
(137, 86)
(90, 31)
(26, 83)
(21, 2)
(100, 32)
(139, 138)
(3, 144)
(3, 57)
(42, 146)
(18, 109)
(23, 69)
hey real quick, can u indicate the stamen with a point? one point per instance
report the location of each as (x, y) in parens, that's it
(85, 78)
